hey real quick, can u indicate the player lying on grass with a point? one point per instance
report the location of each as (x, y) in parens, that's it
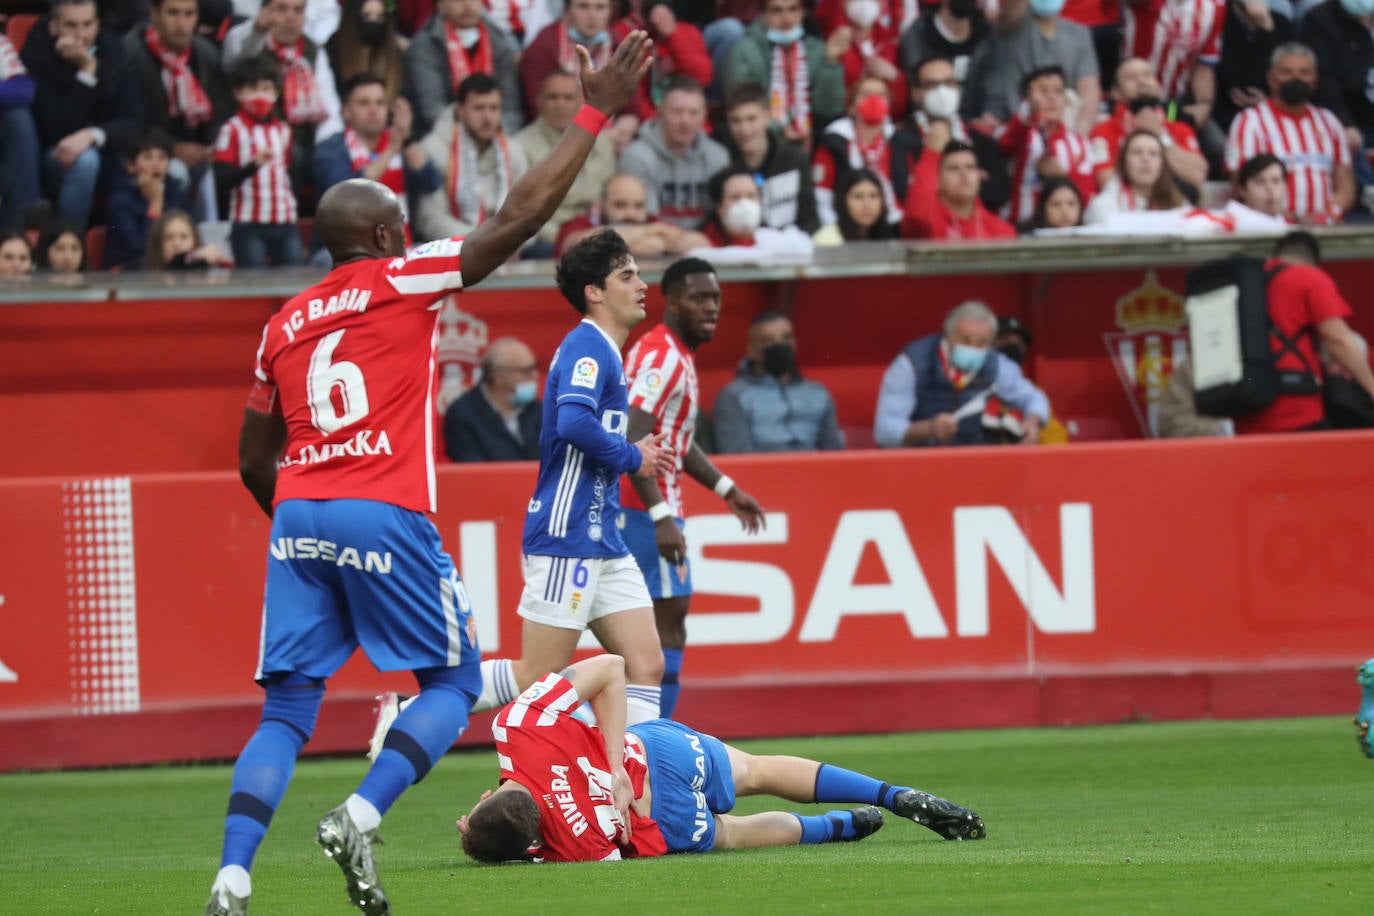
(571, 792)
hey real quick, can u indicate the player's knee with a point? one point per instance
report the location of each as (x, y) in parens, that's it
(293, 700)
(502, 828)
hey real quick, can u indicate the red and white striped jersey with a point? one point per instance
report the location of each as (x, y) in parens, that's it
(1024, 146)
(9, 60)
(266, 195)
(1310, 146)
(563, 762)
(663, 381)
(1174, 36)
(351, 362)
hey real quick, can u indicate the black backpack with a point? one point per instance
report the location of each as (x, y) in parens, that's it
(1230, 338)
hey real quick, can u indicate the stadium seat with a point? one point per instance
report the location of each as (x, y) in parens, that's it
(95, 248)
(17, 29)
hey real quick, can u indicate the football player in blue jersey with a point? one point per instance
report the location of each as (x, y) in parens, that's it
(578, 572)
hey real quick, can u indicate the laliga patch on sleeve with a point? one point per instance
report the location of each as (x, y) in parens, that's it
(584, 373)
(649, 383)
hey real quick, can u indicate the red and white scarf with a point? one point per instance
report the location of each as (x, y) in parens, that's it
(873, 156)
(300, 95)
(185, 97)
(567, 53)
(465, 199)
(789, 89)
(360, 157)
(462, 64)
(509, 14)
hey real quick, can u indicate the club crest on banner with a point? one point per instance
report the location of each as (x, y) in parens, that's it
(1152, 338)
(462, 339)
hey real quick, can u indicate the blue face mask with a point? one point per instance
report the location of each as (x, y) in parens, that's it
(1358, 8)
(786, 36)
(968, 359)
(1046, 8)
(581, 39)
(524, 393)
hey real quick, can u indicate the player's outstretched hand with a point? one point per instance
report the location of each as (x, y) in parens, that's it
(611, 88)
(747, 510)
(657, 457)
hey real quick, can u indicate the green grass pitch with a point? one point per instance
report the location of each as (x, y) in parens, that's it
(1202, 817)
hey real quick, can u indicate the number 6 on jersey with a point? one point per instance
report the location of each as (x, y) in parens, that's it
(324, 377)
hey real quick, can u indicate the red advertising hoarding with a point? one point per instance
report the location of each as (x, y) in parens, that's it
(1027, 584)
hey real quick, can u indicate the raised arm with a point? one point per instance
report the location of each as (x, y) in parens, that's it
(537, 195)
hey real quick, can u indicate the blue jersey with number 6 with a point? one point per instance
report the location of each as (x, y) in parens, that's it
(582, 451)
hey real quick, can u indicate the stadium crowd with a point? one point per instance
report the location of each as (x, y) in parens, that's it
(132, 131)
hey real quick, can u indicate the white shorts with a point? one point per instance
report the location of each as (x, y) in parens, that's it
(570, 593)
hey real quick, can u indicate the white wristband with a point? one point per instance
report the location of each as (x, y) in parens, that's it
(659, 511)
(724, 486)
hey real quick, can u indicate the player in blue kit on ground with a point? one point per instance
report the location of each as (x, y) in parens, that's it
(578, 572)
(337, 447)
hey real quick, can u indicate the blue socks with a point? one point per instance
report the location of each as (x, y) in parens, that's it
(264, 768)
(672, 669)
(422, 733)
(830, 827)
(836, 784)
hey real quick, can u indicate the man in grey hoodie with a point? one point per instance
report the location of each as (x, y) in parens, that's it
(674, 158)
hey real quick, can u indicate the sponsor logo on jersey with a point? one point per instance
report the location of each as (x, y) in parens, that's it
(330, 552)
(584, 373)
(361, 444)
(535, 505)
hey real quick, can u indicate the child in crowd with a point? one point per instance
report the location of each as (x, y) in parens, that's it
(60, 249)
(16, 254)
(140, 195)
(252, 158)
(174, 243)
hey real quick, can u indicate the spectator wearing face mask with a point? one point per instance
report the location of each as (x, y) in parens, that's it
(934, 121)
(738, 208)
(1310, 141)
(1002, 423)
(367, 43)
(805, 85)
(499, 419)
(770, 407)
(952, 33)
(861, 141)
(861, 36)
(938, 388)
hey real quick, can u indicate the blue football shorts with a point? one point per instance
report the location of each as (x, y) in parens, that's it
(660, 576)
(343, 573)
(691, 781)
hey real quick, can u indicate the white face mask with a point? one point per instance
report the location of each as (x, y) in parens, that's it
(743, 217)
(863, 13)
(468, 37)
(941, 102)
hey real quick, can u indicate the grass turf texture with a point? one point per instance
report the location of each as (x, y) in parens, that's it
(1215, 817)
